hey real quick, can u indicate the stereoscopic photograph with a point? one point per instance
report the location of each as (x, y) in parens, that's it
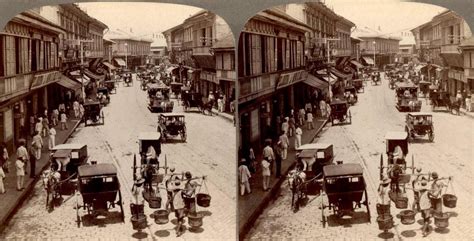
(355, 122)
(117, 123)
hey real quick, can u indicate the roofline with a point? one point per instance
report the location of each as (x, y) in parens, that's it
(268, 13)
(53, 27)
(77, 9)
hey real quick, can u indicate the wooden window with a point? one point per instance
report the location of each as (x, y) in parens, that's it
(9, 56)
(256, 56)
(2, 60)
(219, 61)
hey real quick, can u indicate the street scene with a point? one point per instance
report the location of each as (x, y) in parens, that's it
(355, 131)
(116, 135)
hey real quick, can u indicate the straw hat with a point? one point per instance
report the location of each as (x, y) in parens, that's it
(434, 175)
(423, 184)
(139, 181)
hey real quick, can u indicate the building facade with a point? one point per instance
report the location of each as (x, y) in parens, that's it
(157, 53)
(406, 53)
(378, 50)
(30, 77)
(130, 50)
(271, 63)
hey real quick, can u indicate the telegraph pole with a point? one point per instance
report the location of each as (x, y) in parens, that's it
(82, 65)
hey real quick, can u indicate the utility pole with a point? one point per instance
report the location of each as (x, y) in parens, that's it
(327, 40)
(82, 66)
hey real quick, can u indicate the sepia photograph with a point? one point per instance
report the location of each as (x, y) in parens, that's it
(117, 123)
(355, 122)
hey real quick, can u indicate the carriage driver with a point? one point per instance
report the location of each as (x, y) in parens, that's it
(151, 155)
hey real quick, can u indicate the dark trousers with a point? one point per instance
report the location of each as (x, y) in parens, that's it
(278, 165)
(32, 166)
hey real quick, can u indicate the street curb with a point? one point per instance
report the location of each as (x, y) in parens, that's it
(466, 114)
(229, 118)
(25, 194)
(273, 193)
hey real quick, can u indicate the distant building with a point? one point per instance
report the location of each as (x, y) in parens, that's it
(157, 54)
(377, 48)
(129, 51)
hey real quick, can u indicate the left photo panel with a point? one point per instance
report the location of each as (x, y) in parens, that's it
(117, 122)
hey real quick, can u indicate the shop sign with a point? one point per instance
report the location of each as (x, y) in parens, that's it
(291, 78)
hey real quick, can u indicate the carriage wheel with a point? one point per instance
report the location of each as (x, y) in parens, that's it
(366, 203)
(120, 202)
(78, 218)
(294, 201)
(323, 217)
(103, 119)
(134, 167)
(350, 117)
(183, 134)
(431, 136)
(381, 166)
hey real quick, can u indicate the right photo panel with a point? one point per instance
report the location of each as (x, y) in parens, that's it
(355, 119)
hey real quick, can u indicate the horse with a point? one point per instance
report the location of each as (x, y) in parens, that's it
(296, 181)
(207, 106)
(50, 180)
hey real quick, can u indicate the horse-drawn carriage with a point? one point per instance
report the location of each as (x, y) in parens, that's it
(375, 77)
(99, 187)
(149, 147)
(127, 77)
(159, 98)
(350, 94)
(419, 124)
(176, 88)
(61, 178)
(171, 125)
(358, 84)
(424, 87)
(407, 97)
(340, 111)
(443, 99)
(93, 113)
(305, 179)
(103, 95)
(345, 188)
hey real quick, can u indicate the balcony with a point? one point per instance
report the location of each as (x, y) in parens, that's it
(450, 49)
(201, 50)
(226, 74)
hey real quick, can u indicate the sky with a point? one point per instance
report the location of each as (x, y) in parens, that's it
(392, 16)
(143, 18)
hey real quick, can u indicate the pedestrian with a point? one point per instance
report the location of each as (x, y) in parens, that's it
(3, 166)
(45, 130)
(37, 145)
(285, 125)
(81, 111)
(291, 125)
(383, 192)
(283, 144)
(308, 107)
(52, 138)
(468, 101)
(309, 120)
(424, 206)
(62, 107)
(189, 193)
(322, 107)
(416, 194)
(39, 126)
(298, 133)
(268, 153)
(22, 158)
(219, 104)
(328, 109)
(435, 194)
(459, 97)
(168, 184)
(179, 206)
(301, 116)
(394, 172)
(55, 117)
(33, 159)
(266, 174)
(63, 119)
(244, 176)
(252, 161)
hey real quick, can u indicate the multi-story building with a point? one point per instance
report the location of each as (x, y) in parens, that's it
(128, 51)
(30, 77)
(197, 60)
(157, 54)
(224, 52)
(82, 31)
(467, 48)
(271, 72)
(437, 42)
(406, 53)
(377, 48)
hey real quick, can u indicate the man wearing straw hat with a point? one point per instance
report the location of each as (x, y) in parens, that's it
(425, 205)
(189, 193)
(435, 194)
(179, 205)
(383, 191)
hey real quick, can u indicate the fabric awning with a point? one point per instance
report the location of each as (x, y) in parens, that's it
(109, 65)
(316, 82)
(120, 62)
(69, 83)
(205, 61)
(368, 60)
(357, 64)
(93, 76)
(340, 74)
(453, 60)
(85, 79)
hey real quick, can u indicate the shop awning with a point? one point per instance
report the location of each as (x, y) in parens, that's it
(93, 76)
(316, 82)
(69, 83)
(84, 78)
(331, 80)
(453, 60)
(368, 60)
(120, 62)
(205, 61)
(340, 74)
(357, 64)
(109, 65)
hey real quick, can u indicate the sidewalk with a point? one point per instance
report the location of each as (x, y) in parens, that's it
(468, 114)
(250, 206)
(13, 199)
(225, 115)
